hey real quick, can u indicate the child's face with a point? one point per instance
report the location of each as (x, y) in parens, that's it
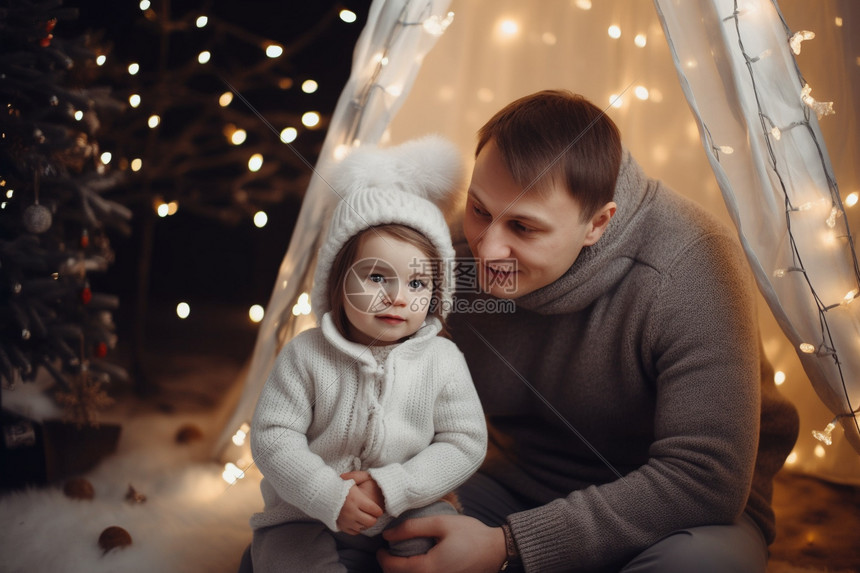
(387, 290)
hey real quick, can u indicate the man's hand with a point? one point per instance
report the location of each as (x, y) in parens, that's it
(358, 513)
(463, 545)
(368, 485)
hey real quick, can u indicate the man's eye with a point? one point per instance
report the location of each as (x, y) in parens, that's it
(519, 227)
(478, 211)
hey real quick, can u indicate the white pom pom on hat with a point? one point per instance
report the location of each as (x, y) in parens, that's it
(410, 184)
(429, 167)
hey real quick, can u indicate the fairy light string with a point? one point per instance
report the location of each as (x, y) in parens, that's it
(431, 24)
(773, 132)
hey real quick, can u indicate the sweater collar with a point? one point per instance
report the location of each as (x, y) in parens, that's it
(600, 266)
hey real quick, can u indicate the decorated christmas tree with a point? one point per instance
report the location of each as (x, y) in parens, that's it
(56, 213)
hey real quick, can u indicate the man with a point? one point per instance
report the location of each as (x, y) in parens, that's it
(633, 420)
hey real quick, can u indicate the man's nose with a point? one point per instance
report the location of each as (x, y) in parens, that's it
(493, 243)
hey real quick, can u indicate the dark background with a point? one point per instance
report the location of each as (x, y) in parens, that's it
(208, 262)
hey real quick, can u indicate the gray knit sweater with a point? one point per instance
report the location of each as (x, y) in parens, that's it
(662, 410)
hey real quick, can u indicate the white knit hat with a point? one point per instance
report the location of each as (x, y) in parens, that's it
(410, 184)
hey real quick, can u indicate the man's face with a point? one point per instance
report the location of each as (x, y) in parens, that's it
(525, 239)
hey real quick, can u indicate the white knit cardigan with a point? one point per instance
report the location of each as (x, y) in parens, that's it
(415, 423)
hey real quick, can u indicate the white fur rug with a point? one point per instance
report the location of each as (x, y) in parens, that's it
(191, 521)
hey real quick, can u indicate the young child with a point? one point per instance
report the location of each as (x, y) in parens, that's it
(371, 417)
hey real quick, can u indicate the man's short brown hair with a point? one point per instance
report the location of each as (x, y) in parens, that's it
(555, 137)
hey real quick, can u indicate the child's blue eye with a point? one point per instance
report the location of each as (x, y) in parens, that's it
(416, 284)
(376, 278)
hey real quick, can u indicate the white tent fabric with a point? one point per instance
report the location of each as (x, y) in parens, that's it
(497, 50)
(761, 136)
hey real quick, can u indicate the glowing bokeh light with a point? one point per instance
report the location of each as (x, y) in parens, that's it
(256, 314)
(255, 162)
(238, 137)
(509, 27)
(310, 119)
(289, 134)
(260, 219)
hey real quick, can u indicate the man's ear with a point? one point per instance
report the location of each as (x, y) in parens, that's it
(598, 223)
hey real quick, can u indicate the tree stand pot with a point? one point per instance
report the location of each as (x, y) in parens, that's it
(71, 450)
(36, 454)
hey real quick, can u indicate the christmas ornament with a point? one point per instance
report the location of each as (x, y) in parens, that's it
(37, 219)
(79, 488)
(134, 496)
(49, 27)
(114, 537)
(188, 433)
